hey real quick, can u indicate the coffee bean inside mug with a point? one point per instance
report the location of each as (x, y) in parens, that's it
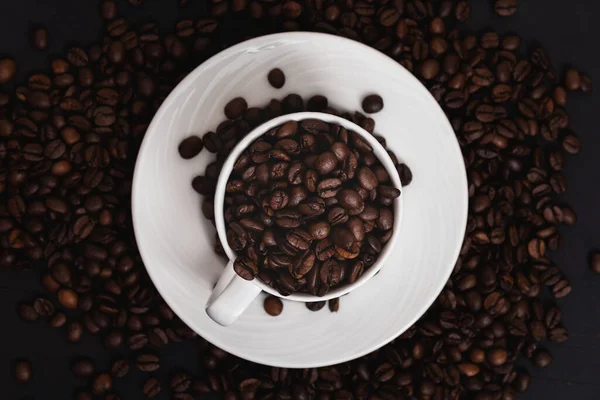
(307, 208)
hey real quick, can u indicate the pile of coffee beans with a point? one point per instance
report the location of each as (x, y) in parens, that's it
(68, 143)
(308, 208)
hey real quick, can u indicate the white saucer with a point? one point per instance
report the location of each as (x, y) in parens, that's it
(176, 242)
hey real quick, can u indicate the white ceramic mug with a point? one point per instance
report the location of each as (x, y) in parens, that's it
(232, 294)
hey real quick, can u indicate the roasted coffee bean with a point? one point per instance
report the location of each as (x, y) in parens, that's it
(315, 306)
(462, 10)
(319, 230)
(27, 312)
(23, 371)
(571, 144)
(312, 206)
(505, 8)
(180, 382)
(235, 108)
(101, 384)
(190, 147)
(329, 187)
(351, 201)
(317, 103)
(152, 387)
(273, 305)
(43, 307)
(120, 368)
(542, 358)
(324, 250)
(39, 38)
(326, 162)
(245, 268)
(572, 79)
(334, 304)
(367, 179)
(74, 332)
(299, 239)
(68, 298)
(147, 362)
(83, 367)
(8, 68)
(276, 78)
(372, 103)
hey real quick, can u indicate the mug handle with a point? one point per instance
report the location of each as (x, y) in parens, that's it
(230, 297)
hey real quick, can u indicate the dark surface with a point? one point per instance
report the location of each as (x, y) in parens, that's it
(569, 31)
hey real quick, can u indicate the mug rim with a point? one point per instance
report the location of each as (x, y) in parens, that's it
(379, 151)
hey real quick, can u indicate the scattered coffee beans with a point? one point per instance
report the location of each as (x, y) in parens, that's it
(276, 78)
(23, 371)
(69, 139)
(273, 305)
(334, 305)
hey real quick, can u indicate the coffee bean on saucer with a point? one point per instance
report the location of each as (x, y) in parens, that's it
(317, 103)
(316, 305)
(273, 305)
(372, 103)
(334, 304)
(405, 174)
(236, 108)
(276, 78)
(190, 147)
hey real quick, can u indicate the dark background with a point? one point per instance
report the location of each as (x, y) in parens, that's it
(568, 30)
